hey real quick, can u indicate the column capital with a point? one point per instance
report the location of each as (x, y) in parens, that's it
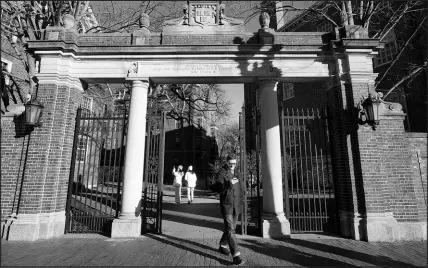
(136, 79)
(267, 80)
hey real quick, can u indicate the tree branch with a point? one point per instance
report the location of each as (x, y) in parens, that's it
(412, 74)
(401, 52)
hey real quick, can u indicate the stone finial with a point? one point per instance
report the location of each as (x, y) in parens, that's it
(185, 14)
(222, 7)
(264, 20)
(144, 20)
(69, 22)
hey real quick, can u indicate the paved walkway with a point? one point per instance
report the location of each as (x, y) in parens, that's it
(190, 238)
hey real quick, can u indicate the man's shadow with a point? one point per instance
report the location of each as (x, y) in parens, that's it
(194, 247)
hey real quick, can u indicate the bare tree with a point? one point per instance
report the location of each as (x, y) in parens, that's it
(228, 140)
(118, 16)
(185, 101)
(23, 21)
(378, 18)
(26, 20)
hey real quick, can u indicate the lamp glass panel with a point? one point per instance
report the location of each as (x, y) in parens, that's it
(32, 114)
(369, 111)
(375, 107)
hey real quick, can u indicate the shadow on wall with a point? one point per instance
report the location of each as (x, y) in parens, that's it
(22, 131)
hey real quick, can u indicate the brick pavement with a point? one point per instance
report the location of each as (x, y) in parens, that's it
(190, 238)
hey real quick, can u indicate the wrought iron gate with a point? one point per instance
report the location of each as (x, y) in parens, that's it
(96, 173)
(153, 171)
(307, 170)
(249, 164)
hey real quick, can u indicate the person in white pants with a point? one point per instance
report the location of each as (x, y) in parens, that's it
(178, 177)
(191, 179)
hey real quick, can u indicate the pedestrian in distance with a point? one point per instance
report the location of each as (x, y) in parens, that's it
(191, 179)
(228, 183)
(178, 179)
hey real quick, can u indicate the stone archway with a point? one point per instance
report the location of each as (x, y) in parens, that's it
(193, 50)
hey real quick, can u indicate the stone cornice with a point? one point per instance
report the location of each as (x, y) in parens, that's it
(44, 47)
(60, 80)
(361, 43)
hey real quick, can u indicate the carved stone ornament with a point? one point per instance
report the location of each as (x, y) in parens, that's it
(264, 20)
(69, 22)
(144, 20)
(203, 14)
(133, 70)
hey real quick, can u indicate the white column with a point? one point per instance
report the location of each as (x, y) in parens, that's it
(274, 222)
(129, 222)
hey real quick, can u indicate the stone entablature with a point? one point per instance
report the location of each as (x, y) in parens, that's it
(190, 38)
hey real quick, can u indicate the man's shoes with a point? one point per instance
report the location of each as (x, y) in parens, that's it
(237, 260)
(188, 202)
(224, 250)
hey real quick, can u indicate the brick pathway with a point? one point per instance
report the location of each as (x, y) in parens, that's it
(190, 238)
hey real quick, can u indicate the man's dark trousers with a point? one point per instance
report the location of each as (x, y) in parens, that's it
(229, 236)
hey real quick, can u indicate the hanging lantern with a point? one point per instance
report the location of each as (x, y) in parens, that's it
(371, 109)
(33, 111)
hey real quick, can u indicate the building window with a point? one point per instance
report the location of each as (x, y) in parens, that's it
(324, 27)
(6, 68)
(388, 53)
(177, 140)
(178, 124)
(81, 149)
(287, 91)
(87, 105)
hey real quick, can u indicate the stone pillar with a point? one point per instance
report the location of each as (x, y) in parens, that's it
(35, 187)
(373, 185)
(275, 224)
(129, 222)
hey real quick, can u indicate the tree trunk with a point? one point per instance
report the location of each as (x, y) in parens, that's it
(349, 13)
(343, 16)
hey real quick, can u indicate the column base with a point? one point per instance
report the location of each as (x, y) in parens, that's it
(31, 227)
(126, 227)
(380, 227)
(275, 226)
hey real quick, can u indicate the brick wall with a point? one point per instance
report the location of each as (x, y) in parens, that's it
(372, 168)
(418, 146)
(44, 172)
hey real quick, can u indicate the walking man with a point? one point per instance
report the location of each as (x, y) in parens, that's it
(229, 185)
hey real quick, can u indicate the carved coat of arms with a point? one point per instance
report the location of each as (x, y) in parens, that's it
(205, 14)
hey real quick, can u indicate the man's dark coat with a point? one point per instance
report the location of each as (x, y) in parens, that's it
(223, 186)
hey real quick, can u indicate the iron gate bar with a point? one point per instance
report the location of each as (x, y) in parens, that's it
(92, 209)
(308, 130)
(258, 203)
(72, 166)
(161, 169)
(119, 182)
(312, 219)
